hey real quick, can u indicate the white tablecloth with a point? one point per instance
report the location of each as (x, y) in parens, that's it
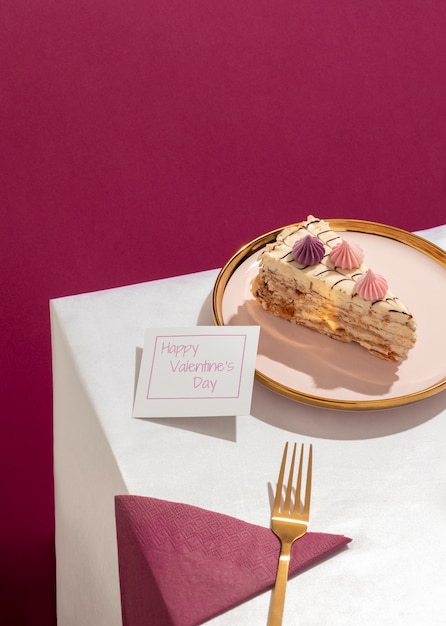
(379, 477)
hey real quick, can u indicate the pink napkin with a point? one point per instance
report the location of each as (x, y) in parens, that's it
(180, 565)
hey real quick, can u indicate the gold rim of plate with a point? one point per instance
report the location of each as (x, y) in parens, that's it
(338, 225)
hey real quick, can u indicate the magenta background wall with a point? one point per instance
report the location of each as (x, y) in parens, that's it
(144, 139)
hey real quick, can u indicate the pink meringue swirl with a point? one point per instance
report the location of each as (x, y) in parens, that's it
(371, 286)
(347, 255)
(308, 251)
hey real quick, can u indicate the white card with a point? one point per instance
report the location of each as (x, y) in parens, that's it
(199, 371)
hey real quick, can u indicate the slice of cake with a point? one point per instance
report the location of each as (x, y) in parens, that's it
(313, 277)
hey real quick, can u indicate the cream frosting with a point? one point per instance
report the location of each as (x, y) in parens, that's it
(347, 255)
(308, 250)
(371, 286)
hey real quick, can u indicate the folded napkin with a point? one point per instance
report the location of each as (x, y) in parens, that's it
(180, 565)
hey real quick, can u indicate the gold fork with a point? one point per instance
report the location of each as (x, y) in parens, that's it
(289, 522)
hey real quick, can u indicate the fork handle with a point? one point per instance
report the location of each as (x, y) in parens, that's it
(278, 598)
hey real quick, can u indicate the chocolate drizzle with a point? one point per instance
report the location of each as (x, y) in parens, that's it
(341, 280)
(332, 239)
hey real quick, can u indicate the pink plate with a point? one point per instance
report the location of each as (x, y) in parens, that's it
(306, 366)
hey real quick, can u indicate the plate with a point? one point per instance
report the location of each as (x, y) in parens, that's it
(303, 365)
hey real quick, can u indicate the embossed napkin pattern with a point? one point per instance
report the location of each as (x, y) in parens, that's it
(181, 565)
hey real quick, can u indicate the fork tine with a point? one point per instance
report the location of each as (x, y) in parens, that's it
(306, 510)
(278, 498)
(299, 481)
(289, 489)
